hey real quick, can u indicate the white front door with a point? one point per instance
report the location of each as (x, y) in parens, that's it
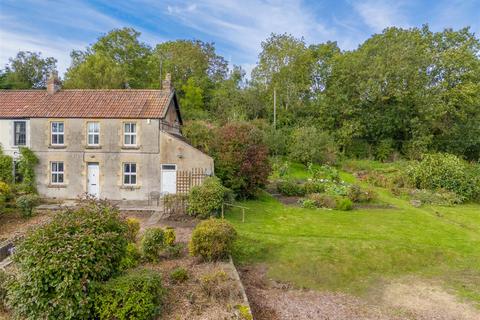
(169, 178)
(93, 181)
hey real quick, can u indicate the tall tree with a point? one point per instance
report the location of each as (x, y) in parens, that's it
(27, 70)
(117, 60)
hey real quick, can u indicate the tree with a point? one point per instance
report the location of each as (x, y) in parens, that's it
(310, 145)
(28, 70)
(192, 100)
(241, 158)
(117, 60)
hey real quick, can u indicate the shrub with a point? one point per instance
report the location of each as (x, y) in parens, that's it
(207, 198)
(308, 204)
(26, 168)
(179, 275)
(212, 239)
(131, 258)
(135, 295)
(290, 188)
(440, 197)
(445, 171)
(357, 194)
(325, 172)
(6, 168)
(310, 145)
(169, 236)
(133, 229)
(241, 158)
(344, 204)
(5, 194)
(313, 186)
(3, 290)
(153, 243)
(26, 203)
(175, 204)
(218, 285)
(384, 150)
(58, 262)
(323, 200)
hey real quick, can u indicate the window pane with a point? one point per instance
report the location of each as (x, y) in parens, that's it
(54, 166)
(133, 139)
(133, 127)
(54, 139)
(133, 167)
(54, 178)
(127, 167)
(60, 178)
(133, 179)
(126, 179)
(60, 127)
(60, 166)
(54, 127)
(90, 139)
(60, 139)
(96, 139)
(127, 127)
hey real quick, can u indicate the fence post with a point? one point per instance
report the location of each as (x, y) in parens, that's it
(223, 205)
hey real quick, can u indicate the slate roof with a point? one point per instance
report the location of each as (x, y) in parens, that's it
(126, 103)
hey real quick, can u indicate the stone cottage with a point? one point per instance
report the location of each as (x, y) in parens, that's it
(114, 144)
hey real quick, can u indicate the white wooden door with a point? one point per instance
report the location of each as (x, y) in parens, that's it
(93, 181)
(169, 178)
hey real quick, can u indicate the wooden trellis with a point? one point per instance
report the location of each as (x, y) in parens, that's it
(188, 179)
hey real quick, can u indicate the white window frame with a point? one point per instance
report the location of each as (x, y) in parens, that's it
(57, 133)
(57, 172)
(15, 133)
(93, 134)
(129, 173)
(131, 135)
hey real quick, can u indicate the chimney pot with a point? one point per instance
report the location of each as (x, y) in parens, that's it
(53, 83)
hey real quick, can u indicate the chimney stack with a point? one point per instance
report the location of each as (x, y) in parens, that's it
(53, 83)
(167, 83)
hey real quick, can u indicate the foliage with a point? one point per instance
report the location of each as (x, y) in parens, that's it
(133, 229)
(26, 167)
(439, 197)
(179, 275)
(175, 204)
(26, 203)
(344, 204)
(445, 171)
(290, 188)
(131, 258)
(212, 239)
(357, 194)
(135, 295)
(58, 262)
(4, 278)
(205, 199)
(321, 200)
(153, 243)
(241, 158)
(199, 134)
(310, 145)
(308, 203)
(28, 70)
(5, 195)
(6, 168)
(314, 186)
(169, 236)
(324, 172)
(218, 285)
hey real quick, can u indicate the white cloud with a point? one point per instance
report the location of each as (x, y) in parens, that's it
(380, 14)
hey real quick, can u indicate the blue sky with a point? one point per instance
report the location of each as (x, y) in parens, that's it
(236, 27)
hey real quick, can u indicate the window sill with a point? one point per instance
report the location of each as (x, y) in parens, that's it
(57, 186)
(52, 146)
(126, 187)
(130, 147)
(93, 147)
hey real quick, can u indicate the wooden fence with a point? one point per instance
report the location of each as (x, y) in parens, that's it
(188, 179)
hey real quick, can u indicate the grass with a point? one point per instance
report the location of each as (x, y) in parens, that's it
(353, 251)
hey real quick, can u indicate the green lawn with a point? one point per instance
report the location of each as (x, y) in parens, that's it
(352, 251)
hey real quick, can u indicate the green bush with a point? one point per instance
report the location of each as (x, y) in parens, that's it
(308, 204)
(5, 194)
(6, 168)
(153, 243)
(26, 168)
(310, 145)
(445, 171)
(323, 200)
(212, 239)
(133, 229)
(313, 186)
(207, 198)
(344, 204)
(179, 275)
(440, 197)
(58, 262)
(135, 295)
(290, 188)
(357, 194)
(131, 258)
(3, 290)
(26, 203)
(325, 172)
(169, 236)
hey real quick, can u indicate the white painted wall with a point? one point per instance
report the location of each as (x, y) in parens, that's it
(6, 136)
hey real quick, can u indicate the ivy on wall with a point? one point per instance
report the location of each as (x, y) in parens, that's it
(26, 167)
